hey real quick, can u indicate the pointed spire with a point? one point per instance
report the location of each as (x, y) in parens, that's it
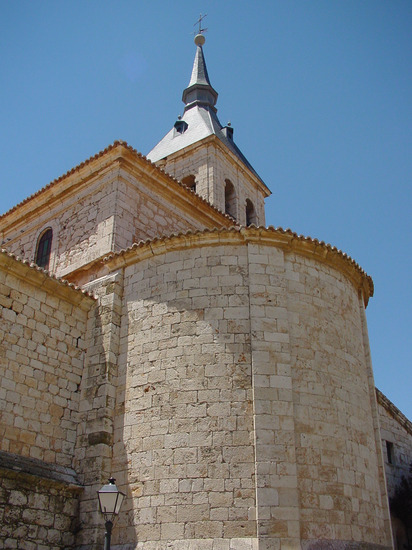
(199, 91)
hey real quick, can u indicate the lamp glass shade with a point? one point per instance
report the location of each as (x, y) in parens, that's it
(110, 499)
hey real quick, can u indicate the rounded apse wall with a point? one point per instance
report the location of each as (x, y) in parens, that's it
(248, 397)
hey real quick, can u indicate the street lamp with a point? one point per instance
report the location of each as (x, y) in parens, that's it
(110, 500)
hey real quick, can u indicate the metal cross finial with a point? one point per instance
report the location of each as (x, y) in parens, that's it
(199, 22)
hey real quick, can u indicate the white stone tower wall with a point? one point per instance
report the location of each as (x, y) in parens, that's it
(247, 404)
(42, 349)
(82, 226)
(339, 479)
(103, 209)
(318, 473)
(211, 167)
(185, 374)
(143, 213)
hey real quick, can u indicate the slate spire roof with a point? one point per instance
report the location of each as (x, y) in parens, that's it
(199, 119)
(199, 91)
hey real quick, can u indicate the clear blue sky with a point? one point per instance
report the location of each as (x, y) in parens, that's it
(319, 95)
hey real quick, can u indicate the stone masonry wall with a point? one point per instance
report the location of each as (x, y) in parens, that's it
(97, 408)
(244, 186)
(143, 213)
(337, 455)
(117, 208)
(185, 384)
(396, 434)
(278, 503)
(42, 346)
(318, 478)
(82, 227)
(400, 435)
(42, 343)
(211, 167)
(247, 403)
(36, 512)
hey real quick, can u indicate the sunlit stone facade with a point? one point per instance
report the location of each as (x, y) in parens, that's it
(218, 369)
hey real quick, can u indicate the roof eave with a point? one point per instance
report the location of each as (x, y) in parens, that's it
(282, 238)
(219, 143)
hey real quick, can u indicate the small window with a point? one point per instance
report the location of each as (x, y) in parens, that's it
(181, 126)
(228, 131)
(250, 213)
(230, 199)
(190, 182)
(390, 452)
(43, 249)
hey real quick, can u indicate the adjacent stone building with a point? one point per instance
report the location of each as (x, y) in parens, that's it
(42, 351)
(396, 434)
(154, 330)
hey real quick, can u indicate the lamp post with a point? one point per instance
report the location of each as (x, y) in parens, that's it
(110, 500)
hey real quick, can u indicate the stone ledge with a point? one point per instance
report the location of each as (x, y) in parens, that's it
(341, 545)
(12, 465)
(187, 544)
(284, 239)
(394, 411)
(36, 276)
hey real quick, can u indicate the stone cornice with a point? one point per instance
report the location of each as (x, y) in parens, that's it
(284, 239)
(92, 167)
(243, 168)
(171, 189)
(76, 175)
(46, 474)
(38, 277)
(213, 139)
(394, 411)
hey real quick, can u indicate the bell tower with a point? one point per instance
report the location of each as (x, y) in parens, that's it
(201, 153)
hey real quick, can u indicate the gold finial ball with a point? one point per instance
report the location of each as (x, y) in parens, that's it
(200, 39)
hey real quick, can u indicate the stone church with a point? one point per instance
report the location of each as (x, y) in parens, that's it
(154, 330)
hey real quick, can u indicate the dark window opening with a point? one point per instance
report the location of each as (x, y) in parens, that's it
(43, 249)
(181, 126)
(190, 182)
(228, 131)
(390, 452)
(230, 199)
(250, 213)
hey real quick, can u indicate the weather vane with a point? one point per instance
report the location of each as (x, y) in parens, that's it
(199, 22)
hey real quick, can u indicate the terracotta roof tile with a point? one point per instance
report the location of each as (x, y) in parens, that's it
(114, 145)
(35, 267)
(394, 411)
(327, 248)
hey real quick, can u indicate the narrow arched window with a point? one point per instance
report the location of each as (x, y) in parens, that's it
(230, 199)
(190, 182)
(250, 213)
(43, 249)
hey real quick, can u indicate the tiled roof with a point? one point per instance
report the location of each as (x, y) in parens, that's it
(67, 174)
(201, 123)
(50, 276)
(394, 411)
(26, 466)
(200, 118)
(124, 145)
(288, 239)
